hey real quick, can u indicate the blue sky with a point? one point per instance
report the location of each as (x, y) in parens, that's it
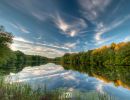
(53, 27)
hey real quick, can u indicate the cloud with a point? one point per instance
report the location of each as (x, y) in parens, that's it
(47, 50)
(66, 46)
(92, 8)
(62, 24)
(70, 28)
(32, 8)
(93, 11)
(20, 27)
(44, 49)
(54, 46)
(117, 7)
(106, 40)
(72, 45)
(41, 15)
(20, 39)
(37, 50)
(127, 39)
(102, 29)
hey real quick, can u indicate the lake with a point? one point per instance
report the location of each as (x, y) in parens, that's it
(56, 76)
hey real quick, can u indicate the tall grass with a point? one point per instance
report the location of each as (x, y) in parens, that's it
(21, 91)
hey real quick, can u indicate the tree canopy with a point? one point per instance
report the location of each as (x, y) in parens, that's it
(115, 54)
(6, 38)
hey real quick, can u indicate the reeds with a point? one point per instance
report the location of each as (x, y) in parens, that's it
(21, 91)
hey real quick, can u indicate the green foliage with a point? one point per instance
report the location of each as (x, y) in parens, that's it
(10, 59)
(18, 61)
(5, 54)
(5, 38)
(115, 54)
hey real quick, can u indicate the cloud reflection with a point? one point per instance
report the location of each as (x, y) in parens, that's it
(54, 76)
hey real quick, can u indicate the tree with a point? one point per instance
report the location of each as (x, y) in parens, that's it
(6, 38)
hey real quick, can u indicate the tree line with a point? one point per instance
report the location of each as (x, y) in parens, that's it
(9, 58)
(114, 54)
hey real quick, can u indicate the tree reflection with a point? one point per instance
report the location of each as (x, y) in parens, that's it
(17, 66)
(119, 75)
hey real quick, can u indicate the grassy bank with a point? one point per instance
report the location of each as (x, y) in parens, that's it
(19, 91)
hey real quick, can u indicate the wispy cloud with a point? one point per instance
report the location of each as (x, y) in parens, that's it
(20, 27)
(34, 49)
(32, 8)
(92, 8)
(127, 39)
(117, 7)
(29, 47)
(72, 45)
(103, 29)
(41, 15)
(20, 39)
(70, 28)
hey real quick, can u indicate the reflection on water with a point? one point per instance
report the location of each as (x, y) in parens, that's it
(119, 75)
(15, 67)
(55, 76)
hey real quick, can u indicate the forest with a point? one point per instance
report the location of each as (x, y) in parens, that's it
(114, 54)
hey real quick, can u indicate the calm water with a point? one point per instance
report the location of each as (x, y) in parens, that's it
(55, 76)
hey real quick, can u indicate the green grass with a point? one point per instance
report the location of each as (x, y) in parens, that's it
(20, 91)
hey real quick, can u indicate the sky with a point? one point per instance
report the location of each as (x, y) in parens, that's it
(52, 28)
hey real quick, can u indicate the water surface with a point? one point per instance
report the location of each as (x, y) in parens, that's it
(55, 76)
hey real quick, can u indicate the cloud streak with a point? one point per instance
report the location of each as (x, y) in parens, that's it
(32, 49)
(20, 27)
(72, 28)
(92, 9)
(47, 50)
(102, 29)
